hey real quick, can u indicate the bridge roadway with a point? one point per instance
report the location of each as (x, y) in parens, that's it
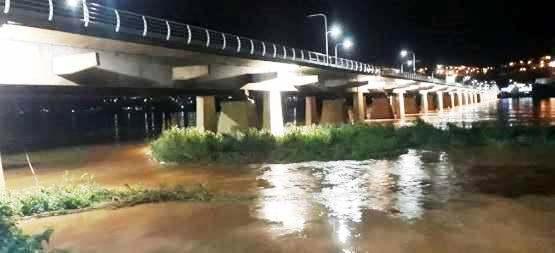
(52, 43)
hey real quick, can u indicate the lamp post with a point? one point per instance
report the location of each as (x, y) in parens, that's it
(404, 54)
(325, 17)
(347, 44)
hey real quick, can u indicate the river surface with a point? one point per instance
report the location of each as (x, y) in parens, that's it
(472, 200)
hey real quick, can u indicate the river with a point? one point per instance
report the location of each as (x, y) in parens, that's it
(471, 200)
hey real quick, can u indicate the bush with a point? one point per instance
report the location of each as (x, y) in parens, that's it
(347, 142)
(12, 240)
(82, 193)
(70, 195)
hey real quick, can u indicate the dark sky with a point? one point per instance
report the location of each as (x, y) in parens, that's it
(446, 31)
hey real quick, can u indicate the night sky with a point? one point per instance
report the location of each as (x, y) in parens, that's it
(440, 32)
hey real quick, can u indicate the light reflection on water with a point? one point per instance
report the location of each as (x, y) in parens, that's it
(346, 189)
(521, 111)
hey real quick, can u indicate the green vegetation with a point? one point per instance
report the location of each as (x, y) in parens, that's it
(12, 240)
(326, 143)
(83, 193)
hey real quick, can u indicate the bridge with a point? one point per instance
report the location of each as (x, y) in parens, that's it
(77, 43)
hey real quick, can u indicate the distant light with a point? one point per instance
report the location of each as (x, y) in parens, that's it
(439, 66)
(404, 53)
(335, 31)
(511, 64)
(348, 43)
(530, 62)
(552, 64)
(409, 63)
(72, 3)
(548, 57)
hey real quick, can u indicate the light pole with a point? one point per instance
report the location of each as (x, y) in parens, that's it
(404, 54)
(347, 44)
(326, 32)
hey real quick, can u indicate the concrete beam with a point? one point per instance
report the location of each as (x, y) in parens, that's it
(108, 69)
(189, 72)
(281, 83)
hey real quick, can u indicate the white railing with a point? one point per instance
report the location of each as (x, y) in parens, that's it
(93, 17)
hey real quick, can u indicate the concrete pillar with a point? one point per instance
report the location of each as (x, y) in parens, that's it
(273, 113)
(381, 108)
(359, 106)
(475, 95)
(452, 96)
(424, 103)
(401, 99)
(461, 98)
(333, 111)
(311, 111)
(206, 113)
(237, 116)
(440, 101)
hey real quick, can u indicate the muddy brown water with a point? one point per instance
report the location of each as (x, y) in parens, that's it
(471, 200)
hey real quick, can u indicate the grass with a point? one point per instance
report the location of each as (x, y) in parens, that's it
(83, 193)
(346, 142)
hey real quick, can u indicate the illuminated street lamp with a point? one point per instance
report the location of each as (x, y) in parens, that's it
(347, 44)
(335, 31)
(552, 64)
(405, 53)
(326, 33)
(72, 3)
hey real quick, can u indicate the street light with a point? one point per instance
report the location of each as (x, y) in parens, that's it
(325, 17)
(335, 31)
(405, 53)
(347, 44)
(72, 3)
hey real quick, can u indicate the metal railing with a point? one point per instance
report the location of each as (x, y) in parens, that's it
(93, 17)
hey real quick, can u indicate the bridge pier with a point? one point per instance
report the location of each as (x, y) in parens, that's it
(333, 111)
(381, 107)
(311, 111)
(272, 117)
(440, 101)
(237, 115)
(424, 105)
(206, 113)
(359, 106)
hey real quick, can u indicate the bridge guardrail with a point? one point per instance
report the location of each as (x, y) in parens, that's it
(86, 16)
(93, 16)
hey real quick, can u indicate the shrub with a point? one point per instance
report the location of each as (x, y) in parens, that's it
(346, 142)
(12, 240)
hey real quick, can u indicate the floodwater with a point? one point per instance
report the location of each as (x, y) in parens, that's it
(473, 200)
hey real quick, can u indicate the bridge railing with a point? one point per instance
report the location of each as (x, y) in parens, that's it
(92, 17)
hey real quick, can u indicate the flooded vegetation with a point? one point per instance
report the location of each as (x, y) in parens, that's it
(345, 142)
(491, 191)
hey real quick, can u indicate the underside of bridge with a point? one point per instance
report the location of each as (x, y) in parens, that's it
(44, 59)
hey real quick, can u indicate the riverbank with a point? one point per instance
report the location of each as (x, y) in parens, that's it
(331, 143)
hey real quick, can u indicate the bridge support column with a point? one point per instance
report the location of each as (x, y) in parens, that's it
(440, 101)
(401, 99)
(273, 113)
(461, 98)
(424, 105)
(452, 96)
(311, 111)
(381, 107)
(359, 106)
(333, 111)
(206, 114)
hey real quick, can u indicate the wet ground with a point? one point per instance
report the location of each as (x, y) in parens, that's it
(472, 200)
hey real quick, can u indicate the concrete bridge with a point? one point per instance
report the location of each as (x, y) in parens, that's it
(76, 43)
